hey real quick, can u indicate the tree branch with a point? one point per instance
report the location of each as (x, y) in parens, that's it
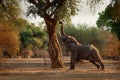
(1, 1)
(46, 6)
(48, 19)
(33, 2)
(55, 12)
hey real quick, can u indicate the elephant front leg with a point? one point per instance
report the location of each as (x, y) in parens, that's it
(72, 64)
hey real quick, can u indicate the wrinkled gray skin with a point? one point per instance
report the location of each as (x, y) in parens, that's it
(81, 52)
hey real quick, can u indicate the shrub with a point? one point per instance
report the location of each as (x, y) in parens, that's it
(112, 47)
(9, 39)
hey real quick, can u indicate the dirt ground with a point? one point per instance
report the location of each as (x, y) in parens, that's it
(34, 69)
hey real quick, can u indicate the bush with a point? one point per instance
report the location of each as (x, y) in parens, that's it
(9, 39)
(112, 47)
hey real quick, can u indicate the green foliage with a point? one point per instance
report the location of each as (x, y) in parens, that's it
(9, 9)
(109, 19)
(21, 24)
(32, 35)
(115, 10)
(104, 19)
(70, 7)
(55, 9)
(86, 35)
(59, 9)
(93, 4)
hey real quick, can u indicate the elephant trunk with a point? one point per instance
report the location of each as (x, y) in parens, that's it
(62, 30)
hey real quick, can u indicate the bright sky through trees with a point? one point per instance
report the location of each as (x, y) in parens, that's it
(87, 16)
(84, 16)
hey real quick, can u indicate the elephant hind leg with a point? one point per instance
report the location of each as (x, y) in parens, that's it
(102, 65)
(97, 65)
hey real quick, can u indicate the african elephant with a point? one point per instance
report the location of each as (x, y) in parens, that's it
(81, 52)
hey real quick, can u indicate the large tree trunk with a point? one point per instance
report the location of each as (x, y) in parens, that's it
(55, 51)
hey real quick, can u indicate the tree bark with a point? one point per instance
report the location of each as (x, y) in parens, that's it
(55, 51)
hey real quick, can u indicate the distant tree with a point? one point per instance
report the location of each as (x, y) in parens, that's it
(32, 35)
(9, 39)
(9, 36)
(112, 47)
(110, 18)
(9, 10)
